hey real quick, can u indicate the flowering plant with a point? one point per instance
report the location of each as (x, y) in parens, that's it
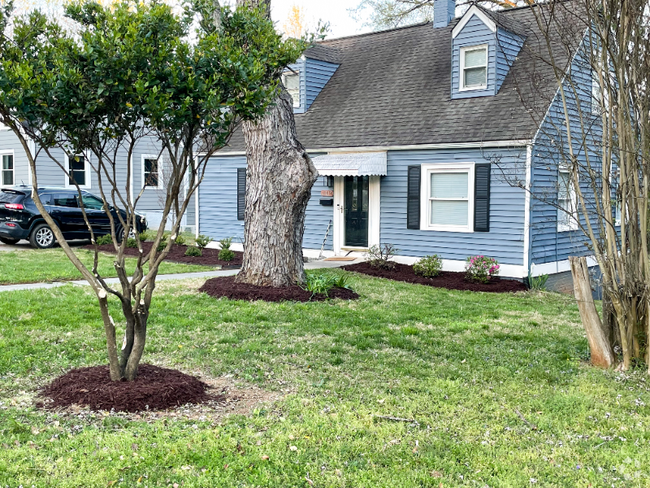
(481, 268)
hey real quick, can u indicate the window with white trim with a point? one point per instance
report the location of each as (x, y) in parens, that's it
(151, 172)
(473, 67)
(567, 201)
(78, 171)
(8, 174)
(291, 81)
(448, 197)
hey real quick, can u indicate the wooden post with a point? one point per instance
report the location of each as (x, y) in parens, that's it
(599, 341)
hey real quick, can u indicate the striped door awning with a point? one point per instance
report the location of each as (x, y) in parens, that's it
(352, 164)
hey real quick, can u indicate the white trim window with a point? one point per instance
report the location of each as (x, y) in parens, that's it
(567, 201)
(447, 197)
(473, 67)
(291, 81)
(78, 171)
(151, 172)
(8, 170)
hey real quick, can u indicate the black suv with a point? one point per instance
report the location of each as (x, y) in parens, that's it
(20, 219)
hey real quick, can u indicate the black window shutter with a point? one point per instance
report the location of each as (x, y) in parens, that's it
(413, 198)
(482, 198)
(241, 193)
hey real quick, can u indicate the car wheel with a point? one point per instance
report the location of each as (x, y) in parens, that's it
(120, 234)
(42, 237)
(8, 240)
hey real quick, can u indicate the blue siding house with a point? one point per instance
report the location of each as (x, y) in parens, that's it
(436, 137)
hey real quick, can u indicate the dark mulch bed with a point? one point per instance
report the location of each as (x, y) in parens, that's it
(177, 254)
(227, 288)
(446, 279)
(154, 389)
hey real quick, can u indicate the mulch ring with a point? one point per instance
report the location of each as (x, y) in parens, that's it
(226, 287)
(446, 279)
(155, 388)
(176, 254)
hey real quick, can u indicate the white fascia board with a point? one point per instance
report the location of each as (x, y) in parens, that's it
(474, 10)
(413, 147)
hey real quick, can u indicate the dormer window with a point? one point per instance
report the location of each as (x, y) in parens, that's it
(473, 67)
(291, 82)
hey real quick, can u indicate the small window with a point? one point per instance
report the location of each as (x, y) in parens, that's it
(151, 172)
(448, 203)
(77, 171)
(8, 170)
(567, 212)
(291, 82)
(473, 67)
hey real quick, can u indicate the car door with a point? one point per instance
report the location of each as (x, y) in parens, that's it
(66, 211)
(95, 212)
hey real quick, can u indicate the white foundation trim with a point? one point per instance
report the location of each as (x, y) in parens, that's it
(557, 267)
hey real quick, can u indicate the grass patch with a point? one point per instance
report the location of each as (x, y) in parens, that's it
(35, 266)
(466, 366)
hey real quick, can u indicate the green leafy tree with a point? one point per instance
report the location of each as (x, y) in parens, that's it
(136, 72)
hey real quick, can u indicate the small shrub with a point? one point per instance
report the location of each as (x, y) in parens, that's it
(193, 251)
(180, 240)
(163, 244)
(203, 241)
(103, 240)
(321, 284)
(225, 243)
(428, 266)
(380, 256)
(537, 283)
(481, 269)
(226, 255)
(132, 243)
(144, 236)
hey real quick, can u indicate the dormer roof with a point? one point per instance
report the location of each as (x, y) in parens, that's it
(392, 89)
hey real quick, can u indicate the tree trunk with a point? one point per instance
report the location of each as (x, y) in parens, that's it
(599, 340)
(279, 179)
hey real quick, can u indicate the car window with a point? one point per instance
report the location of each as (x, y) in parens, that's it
(46, 198)
(64, 200)
(9, 196)
(92, 203)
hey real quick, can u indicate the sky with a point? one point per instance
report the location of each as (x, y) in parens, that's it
(334, 11)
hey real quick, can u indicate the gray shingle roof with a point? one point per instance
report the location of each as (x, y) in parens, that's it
(393, 88)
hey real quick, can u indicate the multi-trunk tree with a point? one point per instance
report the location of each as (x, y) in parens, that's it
(596, 141)
(134, 72)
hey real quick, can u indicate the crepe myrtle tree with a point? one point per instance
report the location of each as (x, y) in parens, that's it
(135, 72)
(590, 63)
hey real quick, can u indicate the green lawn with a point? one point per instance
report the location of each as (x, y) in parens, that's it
(466, 366)
(31, 266)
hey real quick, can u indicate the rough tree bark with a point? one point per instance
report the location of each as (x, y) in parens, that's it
(598, 337)
(279, 179)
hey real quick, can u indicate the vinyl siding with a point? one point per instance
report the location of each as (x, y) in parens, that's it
(505, 241)
(508, 47)
(550, 151)
(218, 205)
(317, 74)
